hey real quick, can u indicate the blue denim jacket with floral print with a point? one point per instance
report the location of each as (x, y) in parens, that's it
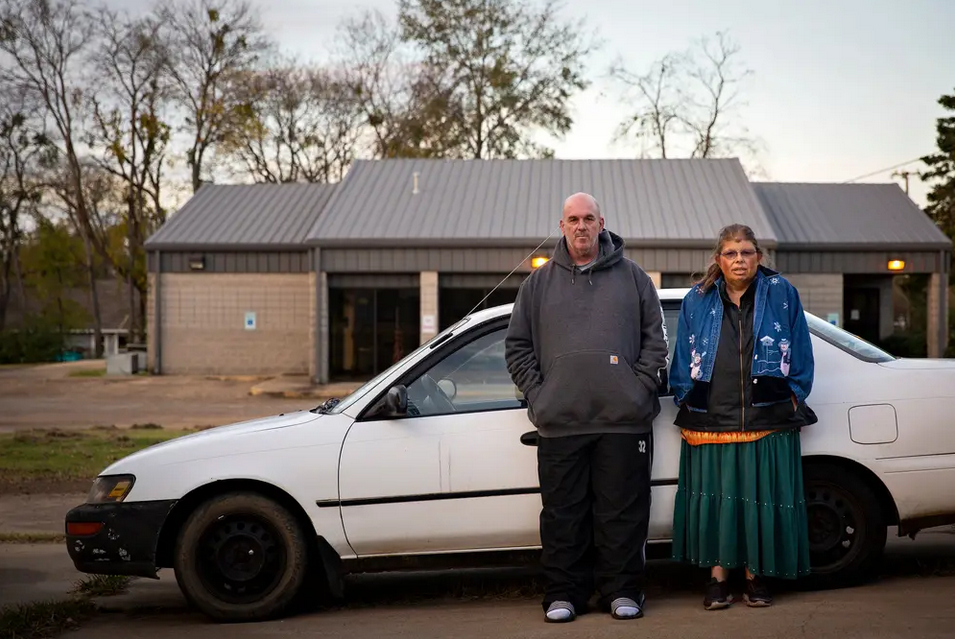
(782, 348)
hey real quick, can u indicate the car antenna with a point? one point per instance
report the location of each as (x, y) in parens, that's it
(504, 279)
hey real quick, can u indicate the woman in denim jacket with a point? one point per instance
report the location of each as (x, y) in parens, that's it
(741, 373)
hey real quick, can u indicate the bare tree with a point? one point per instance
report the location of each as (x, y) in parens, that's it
(689, 103)
(402, 108)
(304, 125)
(44, 44)
(130, 135)
(213, 44)
(24, 151)
(659, 116)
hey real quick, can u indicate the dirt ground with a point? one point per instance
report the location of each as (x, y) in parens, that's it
(48, 397)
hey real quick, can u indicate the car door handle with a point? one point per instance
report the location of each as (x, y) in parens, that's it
(529, 438)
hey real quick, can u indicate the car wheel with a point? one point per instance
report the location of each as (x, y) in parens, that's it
(241, 557)
(847, 529)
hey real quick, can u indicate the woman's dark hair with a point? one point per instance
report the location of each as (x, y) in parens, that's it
(731, 233)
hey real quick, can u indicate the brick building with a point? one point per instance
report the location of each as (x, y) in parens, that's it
(338, 281)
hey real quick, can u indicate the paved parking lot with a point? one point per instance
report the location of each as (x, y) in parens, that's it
(910, 600)
(914, 598)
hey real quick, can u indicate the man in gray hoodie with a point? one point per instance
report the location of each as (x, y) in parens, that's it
(587, 347)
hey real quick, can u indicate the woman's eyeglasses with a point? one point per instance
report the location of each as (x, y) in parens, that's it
(745, 253)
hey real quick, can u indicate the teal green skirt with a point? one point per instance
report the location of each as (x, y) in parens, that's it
(743, 505)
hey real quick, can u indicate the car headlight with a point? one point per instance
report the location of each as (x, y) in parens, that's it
(110, 489)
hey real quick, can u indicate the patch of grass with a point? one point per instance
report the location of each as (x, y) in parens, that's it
(31, 538)
(44, 619)
(91, 372)
(101, 585)
(38, 456)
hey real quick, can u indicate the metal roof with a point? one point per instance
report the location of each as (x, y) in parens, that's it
(513, 202)
(244, 216)
(847, 216)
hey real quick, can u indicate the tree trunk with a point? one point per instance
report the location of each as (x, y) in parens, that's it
(20, 288)
(5, 290)
(6, 286)
(94, 296)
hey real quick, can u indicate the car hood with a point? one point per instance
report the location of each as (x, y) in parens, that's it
(911, 364)
(210, 442)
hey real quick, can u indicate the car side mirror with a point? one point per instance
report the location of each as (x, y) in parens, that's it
(449, 388)
(397, 400)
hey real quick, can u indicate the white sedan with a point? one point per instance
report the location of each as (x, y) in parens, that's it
(435, 459)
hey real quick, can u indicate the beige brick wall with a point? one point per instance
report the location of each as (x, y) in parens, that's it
(429, 303)
(820, 293)
(203, 317)
(656, 276)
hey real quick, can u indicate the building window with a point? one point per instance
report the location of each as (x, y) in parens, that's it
(677, 280)
(455, 303)
(370, 329)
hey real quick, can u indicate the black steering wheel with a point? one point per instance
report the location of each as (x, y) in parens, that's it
(438, 397)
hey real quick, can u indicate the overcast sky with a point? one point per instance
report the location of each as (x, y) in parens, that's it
(840, 89)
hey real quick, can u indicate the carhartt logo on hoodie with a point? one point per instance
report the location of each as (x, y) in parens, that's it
(613, 359)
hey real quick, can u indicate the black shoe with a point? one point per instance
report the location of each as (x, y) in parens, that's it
(757, 594)
(718, 595)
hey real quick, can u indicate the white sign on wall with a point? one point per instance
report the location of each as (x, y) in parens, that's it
(428, 323)
(250, 321)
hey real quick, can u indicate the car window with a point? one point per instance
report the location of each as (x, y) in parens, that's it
(671, 315)
(845, 340)
(471, 379)
(355, 395)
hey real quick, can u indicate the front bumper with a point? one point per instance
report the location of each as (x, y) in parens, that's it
(125, 544)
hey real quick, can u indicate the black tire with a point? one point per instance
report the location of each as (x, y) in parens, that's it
(241, 557)
(847, 529)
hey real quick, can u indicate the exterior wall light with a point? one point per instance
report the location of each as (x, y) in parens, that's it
(896, 265)
(197, 262)
(539, 261)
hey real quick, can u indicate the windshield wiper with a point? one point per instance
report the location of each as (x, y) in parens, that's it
(326, 406)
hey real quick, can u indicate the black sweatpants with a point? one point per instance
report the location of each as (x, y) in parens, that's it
(594, 522)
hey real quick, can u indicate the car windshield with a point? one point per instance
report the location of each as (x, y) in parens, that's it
(352, 397)
(847, 341)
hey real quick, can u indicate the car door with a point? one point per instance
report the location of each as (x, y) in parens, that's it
(462, 474)
(452, 474)
(666, 445)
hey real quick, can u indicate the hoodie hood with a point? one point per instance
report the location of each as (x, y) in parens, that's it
(610, 251)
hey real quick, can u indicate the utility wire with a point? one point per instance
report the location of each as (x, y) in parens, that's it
(888, 168)
(504, 279)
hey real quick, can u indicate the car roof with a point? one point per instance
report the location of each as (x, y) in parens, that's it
(665, 294)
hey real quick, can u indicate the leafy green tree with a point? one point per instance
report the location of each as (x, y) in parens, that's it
(501, 72)
(941, 171)
(941, 174)
(54, 266)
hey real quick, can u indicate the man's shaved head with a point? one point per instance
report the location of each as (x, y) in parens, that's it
(580, 224)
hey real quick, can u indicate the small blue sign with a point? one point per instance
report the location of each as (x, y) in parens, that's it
(250, 321)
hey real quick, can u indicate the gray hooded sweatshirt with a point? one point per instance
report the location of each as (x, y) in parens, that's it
(588, 349)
